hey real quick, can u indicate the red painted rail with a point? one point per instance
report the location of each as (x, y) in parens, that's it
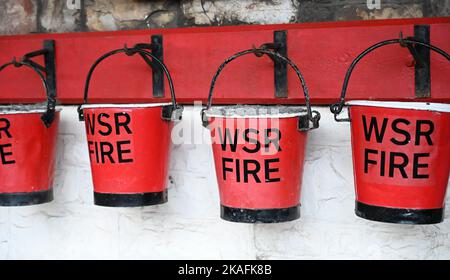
(323, 52)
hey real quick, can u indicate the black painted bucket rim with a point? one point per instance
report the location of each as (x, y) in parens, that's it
(396, 215)
(260, 215)
(125, 105)
(14, 109)
(421, 106)
(21, 199)
(130, 199)
(256, 111)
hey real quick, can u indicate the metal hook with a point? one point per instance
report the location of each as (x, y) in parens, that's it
(129, 51)
(418, 60)
(16, 63)
(401, 40)
(257, 54)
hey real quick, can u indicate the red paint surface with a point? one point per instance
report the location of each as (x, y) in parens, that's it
(396, 191)
(149, 150)
(323, 51)
(253, 194)
(33, 148)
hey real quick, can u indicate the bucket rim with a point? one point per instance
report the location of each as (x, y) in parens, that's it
(238, 111)
(4, 110)
(423, 106)
(125, 105)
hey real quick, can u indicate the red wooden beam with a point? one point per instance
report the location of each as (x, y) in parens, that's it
(323, 51)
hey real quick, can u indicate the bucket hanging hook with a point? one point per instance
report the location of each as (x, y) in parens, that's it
(47, 117)
(170, 113)
(312, 116)
(403, 42)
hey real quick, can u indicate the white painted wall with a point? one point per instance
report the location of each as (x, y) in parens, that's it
(189, 227)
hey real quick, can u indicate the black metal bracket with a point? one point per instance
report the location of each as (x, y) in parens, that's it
(422, 67)
(156, 48)
(279, 45)
(421, 54)
(169, 113)
(49, 68)
(304, 121)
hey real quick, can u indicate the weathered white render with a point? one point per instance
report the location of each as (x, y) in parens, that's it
(189, 227)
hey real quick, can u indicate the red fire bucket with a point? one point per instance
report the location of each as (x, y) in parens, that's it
(27, 149)
(259, 153)
(129, 145)
(401, 154)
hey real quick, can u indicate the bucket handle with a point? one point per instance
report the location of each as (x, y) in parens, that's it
(172, 112)
(337, 107)
(47, 117)
(304, 121)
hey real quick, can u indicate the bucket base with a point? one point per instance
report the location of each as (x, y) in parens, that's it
(399, 215)
(130, 200)
(26, 198)
(242, 215)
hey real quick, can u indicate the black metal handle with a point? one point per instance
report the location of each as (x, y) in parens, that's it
(314, 119)
(47, 117)
(337, 107)
(167, 113)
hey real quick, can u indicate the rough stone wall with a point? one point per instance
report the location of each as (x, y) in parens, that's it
(31, 16)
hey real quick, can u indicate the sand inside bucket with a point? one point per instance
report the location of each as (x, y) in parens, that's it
(131, 105)
(260, 111)
(24, 108)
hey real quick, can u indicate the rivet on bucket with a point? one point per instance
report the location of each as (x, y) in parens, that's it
(129, 145)
(28, 136)
(259, 154)
(400, 154)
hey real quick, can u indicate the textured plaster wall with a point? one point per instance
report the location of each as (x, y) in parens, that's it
(189, 227)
